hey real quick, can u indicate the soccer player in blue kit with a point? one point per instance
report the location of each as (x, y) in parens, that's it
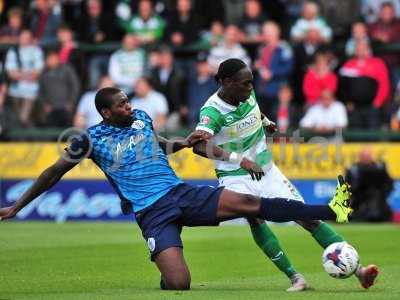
(134, 161)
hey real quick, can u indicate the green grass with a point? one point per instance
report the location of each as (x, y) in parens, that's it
(110, 261)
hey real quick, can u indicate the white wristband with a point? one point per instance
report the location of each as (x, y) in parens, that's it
(266, 122)
(235, 157)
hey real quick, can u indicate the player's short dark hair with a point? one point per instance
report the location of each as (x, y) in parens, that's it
(229, 68)
(104, 96)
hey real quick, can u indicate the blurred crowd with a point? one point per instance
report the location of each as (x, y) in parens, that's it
(313, 62)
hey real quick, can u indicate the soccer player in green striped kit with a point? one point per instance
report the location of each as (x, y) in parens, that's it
(231, 119)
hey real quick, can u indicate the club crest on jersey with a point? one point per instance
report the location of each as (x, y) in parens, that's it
(138, 124)
(228, 119)
(205, 120)
(252, 101)
(151, 243)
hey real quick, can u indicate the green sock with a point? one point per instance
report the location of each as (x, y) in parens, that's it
(325, 235)
(269, 244)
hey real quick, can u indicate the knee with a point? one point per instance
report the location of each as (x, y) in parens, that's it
(309, 225)
(177, 282)
(249, 205)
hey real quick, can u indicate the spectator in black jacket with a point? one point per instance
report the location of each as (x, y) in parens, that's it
(170, 81)
(97, 26)
(183, 25)
(371, 185)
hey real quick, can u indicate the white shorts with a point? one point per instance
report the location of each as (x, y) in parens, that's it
(272, 185)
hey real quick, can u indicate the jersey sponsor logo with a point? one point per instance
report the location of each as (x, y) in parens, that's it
(151, 243)
(138, 124)
(129, 143)
(205, 120)
(247, 122)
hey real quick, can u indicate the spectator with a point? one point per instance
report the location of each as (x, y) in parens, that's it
(229, 48)
(252, 23)
(287, 113)
(170, 81)
(201, 86)
(10, 32)
(146, 25)
(371, 184)
(318, 78)
(86, 114)
(96, 26)
(127, 64)
(152, 102)
(303, 57)
(364, 87)
(45, 22)
(310, 20)
(183, 26)
(70, 53)
(387, 30)
(58, 92)
(340, 15)
(326, 116)
(359, 32)
(215, 35)
(23, 65)
(153, 59)
(274, 66)
(370, 9)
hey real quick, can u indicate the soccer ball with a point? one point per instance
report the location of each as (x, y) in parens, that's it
(340, 260)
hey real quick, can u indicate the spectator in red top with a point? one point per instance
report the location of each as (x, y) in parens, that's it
(387, 30)
(319, 77)
(364, 87)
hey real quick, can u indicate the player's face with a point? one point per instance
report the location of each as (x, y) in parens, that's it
(121, 110)
(242, 85)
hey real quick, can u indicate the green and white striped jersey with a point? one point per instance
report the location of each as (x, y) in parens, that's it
(235, 129)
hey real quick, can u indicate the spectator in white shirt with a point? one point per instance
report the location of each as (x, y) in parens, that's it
(326, 116)
(127, 64)
(310, 20)
(23, 65)
(151, 102)
(228, 48)
(86, 114)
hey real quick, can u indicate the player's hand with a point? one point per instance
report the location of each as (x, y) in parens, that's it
(197, 136)
(256, 172)
(271, 128)
(7, 213)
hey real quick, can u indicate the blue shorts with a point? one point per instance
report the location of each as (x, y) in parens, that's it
(184, 205)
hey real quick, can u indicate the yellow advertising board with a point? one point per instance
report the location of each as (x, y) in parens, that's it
(297, 161)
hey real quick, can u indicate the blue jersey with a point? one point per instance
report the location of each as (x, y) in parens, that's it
(131, 159)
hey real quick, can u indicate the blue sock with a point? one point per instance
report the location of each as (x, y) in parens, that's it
(285, 210)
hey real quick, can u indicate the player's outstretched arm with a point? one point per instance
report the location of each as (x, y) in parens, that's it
(207, 148)
(45, 181)
(172, 146)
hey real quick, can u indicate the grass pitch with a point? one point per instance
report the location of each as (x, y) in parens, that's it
(110, 261)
